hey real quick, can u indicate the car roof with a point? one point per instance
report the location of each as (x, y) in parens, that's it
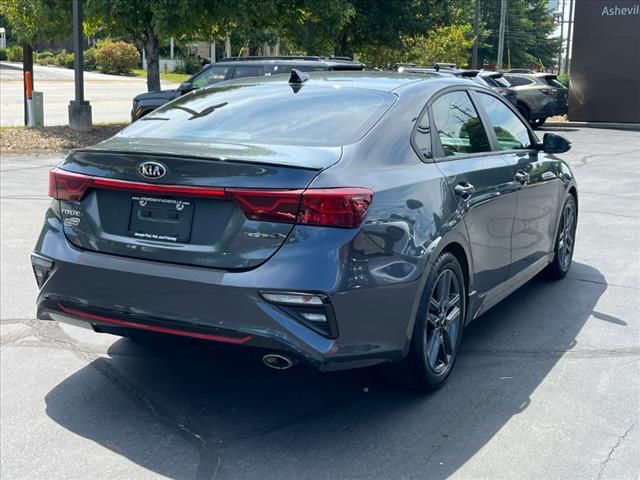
(532, 75)
(384, 81)
(290, 60)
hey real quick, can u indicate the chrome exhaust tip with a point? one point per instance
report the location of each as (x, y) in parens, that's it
(278, 362)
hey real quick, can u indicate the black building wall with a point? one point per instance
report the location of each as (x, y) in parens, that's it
(605, 61)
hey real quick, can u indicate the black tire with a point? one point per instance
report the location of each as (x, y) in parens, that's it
(538, 122)
(565, 241)
(436, 322)
(524, 111)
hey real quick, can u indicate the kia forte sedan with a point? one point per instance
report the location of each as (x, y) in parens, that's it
(341, 220)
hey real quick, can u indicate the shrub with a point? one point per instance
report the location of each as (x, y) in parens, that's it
(3, 54)
(564, 80)
(45, 58)
(191, 65)
(42, 55)
(117, 57)
(65, 59)
(14, 53)
(90, 59)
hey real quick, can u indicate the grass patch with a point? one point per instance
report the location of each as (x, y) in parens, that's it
(167, 77)
(53, 139)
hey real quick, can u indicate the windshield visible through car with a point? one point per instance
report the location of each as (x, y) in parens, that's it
(272, 113)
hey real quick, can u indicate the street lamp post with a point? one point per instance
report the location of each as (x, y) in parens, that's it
(79, 109)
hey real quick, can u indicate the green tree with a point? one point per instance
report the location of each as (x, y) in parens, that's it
(528, 41)
(386, 23)
(32, 21)
(450, 43)
(144, 22)
(313, 25)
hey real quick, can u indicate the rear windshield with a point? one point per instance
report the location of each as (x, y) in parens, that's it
(270, 113)
(552, 81)
(518, 81)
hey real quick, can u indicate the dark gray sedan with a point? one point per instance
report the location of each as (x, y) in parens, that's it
(339, 219)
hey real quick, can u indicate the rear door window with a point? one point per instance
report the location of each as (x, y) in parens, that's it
(242, 71)
(458, 125)
(511, 133)
(210, 76)
(553, 82)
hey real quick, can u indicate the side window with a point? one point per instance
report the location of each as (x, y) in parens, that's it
(510, 131)
(277, 69)
(242, 71)
(518, 81)
(458, 125)
(210, 76)
(422, 137)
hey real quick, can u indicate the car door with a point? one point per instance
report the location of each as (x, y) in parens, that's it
(482, 183)
(535, 177)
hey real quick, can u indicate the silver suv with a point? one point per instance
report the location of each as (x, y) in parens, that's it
(540, 95)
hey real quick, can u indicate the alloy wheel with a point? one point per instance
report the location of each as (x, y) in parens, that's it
(567, 236)
(443, 321)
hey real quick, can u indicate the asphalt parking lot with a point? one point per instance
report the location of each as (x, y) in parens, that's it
(547, 384)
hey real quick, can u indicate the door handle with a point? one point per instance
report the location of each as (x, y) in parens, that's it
(522, 177)
(464, 189)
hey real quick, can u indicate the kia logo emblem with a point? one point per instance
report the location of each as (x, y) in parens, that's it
(152, 170)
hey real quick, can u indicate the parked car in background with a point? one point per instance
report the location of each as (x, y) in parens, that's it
(239, 67)
(492, 80)
(540, 95)
(340, 219)
(496, 81)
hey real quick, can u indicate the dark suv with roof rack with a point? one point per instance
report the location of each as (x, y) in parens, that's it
(239, 67)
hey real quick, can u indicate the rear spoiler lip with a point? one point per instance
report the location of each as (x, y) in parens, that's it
(138, 153)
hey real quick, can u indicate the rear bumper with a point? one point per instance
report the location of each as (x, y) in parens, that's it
(98, 289)
(551, 109)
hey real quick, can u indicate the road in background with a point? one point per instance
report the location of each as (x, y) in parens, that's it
(110, 95)
(547, 384)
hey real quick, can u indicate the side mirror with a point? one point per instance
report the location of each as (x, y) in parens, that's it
(552, 143)
(185, 87)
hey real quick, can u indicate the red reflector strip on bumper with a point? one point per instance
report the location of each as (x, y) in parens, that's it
(153, 328)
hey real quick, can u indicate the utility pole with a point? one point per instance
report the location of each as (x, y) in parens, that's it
(567, 55)
(476, 34)
(503, 18)
(561, 38)
(79, 109)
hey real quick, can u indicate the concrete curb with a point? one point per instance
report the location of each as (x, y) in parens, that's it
(635, 127)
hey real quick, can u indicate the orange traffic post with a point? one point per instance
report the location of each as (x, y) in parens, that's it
(29, 85)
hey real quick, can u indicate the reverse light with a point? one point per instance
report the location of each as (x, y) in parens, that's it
(312, 310)
(292, 298)
(41, 268)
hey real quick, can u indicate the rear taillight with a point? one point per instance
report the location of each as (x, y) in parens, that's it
(70, 186)
(67, 185)
(344, 207)
(548, 91)
(335, 207)
(268, 205)
(329, 207)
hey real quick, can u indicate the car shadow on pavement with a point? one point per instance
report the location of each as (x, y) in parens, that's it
(185, 409)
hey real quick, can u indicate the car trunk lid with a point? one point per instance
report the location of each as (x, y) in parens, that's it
(187, 214)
